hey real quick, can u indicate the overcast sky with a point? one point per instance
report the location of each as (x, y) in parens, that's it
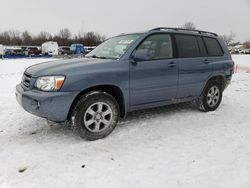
(112, 17)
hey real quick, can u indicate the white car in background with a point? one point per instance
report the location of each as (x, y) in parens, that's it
(89, 48)
(1, 50)
(50, 48)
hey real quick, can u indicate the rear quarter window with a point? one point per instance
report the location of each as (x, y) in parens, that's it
(213, 47)
(187, 46)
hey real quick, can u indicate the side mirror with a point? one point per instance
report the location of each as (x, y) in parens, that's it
(141, 55)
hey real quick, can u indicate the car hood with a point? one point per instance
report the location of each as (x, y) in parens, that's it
(64, 66)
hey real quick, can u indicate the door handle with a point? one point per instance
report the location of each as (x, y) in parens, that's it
(172, 64)
(206, 61)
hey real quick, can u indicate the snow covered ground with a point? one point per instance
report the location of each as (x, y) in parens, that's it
(175, 146)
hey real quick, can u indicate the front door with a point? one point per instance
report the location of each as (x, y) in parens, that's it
(155, 79)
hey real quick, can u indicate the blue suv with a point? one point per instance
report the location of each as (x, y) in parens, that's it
(126, 73)
(77, 49)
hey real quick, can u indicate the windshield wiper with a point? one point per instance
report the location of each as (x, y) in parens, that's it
(99, 57)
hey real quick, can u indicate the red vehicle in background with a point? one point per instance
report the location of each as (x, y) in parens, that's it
(33, 51)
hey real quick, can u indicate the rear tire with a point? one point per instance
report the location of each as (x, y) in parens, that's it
(95, 115)
(211, 97)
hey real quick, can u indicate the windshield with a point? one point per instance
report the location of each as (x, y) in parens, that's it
(114, 48)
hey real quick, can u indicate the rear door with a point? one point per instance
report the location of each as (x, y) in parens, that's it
(215, 53)
(154, 80)
(194, 65)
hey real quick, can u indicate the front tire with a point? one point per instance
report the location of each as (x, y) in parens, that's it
(211, 97)
(95, 115)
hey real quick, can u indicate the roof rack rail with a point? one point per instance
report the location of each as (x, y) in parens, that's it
(180, 29)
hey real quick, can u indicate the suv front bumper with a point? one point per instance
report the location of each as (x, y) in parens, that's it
(53, 106)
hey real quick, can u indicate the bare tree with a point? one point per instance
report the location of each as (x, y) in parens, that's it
(92, 38)
(79, 38)
(11, 37)
(228, 39)
(15, 37)
(64, 33)
(188, 25)
(5, 38)
(42, 37)
(63, 37)
(27, 38)
(89, 38)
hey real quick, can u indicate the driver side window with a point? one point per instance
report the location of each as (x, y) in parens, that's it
(159, 46)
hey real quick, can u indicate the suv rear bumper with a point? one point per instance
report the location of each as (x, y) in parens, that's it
(53, 106)
(227, 81)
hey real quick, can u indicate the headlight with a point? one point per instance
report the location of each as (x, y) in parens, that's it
(49, 83)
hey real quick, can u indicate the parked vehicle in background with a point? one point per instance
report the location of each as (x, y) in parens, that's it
(25, 49)
(7, 51)
(240, 49)
(77, 49)
(89, 49)
(18, 51)
(126, 73)
(1, 50)
(12, 51)
(33, 51)
(65, 50)
(50, 48)
(245, 51)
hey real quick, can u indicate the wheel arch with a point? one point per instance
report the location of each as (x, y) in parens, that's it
(113, 90)
(220, 78)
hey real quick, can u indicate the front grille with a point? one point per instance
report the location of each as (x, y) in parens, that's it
(26, 80)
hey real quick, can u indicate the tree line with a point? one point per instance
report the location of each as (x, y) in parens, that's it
(64, 38)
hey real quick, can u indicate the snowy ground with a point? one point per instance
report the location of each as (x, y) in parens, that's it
(175, 146)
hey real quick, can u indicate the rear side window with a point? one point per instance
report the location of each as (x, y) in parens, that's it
(187, 46)
(213, 47)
